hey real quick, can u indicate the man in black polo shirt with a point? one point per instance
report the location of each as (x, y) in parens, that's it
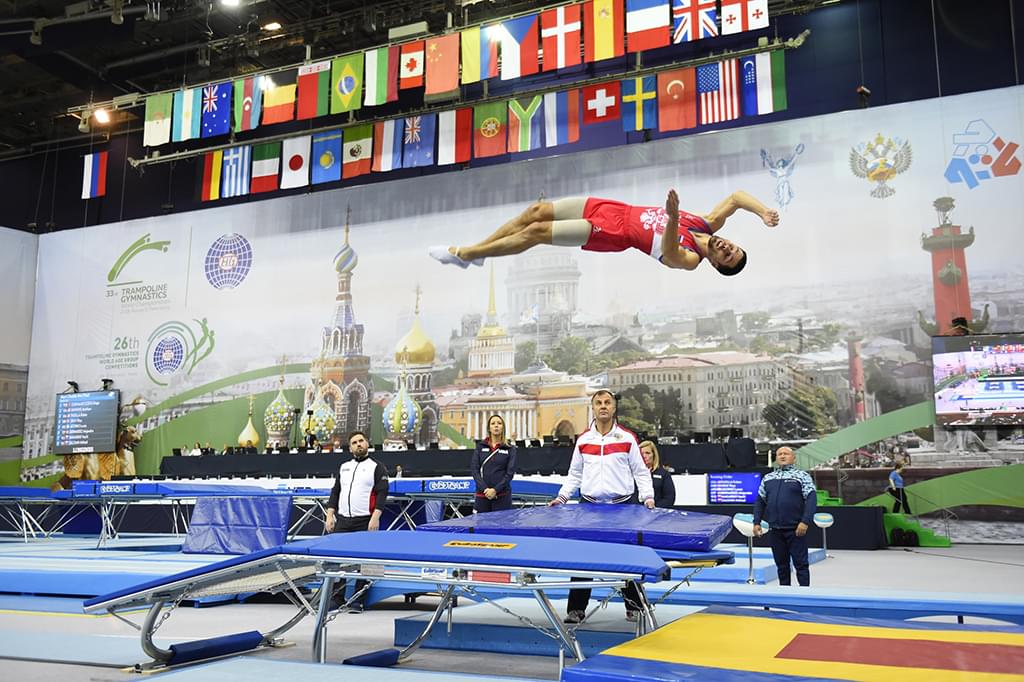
(360, 490)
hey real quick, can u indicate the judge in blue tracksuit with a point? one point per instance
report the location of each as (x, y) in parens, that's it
(493, 465)
(787, 500)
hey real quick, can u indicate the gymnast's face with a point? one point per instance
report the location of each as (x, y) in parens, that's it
(722, 252)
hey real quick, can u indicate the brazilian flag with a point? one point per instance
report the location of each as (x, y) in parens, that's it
(347, 83)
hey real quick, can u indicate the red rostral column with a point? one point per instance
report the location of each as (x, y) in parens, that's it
(856, 377)
(949, 268)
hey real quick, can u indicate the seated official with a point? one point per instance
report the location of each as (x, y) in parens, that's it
(196, 450)
(661, 478)
(493, 466)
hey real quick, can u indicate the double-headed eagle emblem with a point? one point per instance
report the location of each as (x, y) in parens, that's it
(880, 160)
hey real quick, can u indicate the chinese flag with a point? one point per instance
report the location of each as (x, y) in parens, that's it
(677, 100)
(442, 57)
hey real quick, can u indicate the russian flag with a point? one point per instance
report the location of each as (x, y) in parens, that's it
(387, 145)
(561, 117)
(94, 177)
(648, 24)
(519, 46)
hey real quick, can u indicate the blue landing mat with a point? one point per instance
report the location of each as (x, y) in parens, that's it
(482, 627)
(260, 668)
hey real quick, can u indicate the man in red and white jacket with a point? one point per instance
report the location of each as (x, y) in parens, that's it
(607, 468)
(358, 496)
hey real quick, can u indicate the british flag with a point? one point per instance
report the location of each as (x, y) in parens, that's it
(210, 96)
(412, 129)
(693, 20)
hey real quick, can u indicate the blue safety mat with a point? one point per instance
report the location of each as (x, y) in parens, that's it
(510, 551)
(623, 524)
(237, 525)
(20, 492)
(267, 670)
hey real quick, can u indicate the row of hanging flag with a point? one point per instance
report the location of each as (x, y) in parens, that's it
(510, 49)
(668, 101)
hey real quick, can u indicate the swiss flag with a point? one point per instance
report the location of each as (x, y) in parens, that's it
(602, 102)
(410, 65)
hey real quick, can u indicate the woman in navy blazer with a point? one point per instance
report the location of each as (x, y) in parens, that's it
(492, 467)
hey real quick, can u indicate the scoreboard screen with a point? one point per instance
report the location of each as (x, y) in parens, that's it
(86, 422)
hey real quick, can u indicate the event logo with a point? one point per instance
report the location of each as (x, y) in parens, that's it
(879, 161)
(140, 245)
(457, 485)
(175, 347)
(228, 261)
(979, 154)
(782, 169)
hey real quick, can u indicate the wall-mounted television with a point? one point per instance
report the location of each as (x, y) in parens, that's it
(86, 422)
(979, 379)
(733, 487)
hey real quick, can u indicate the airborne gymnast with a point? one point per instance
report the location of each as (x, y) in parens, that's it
(677, 239)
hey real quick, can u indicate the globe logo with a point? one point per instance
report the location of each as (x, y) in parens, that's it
(168, 355)
(228, 261)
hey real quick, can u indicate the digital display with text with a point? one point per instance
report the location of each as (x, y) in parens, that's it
(86, 422)
(733, 488)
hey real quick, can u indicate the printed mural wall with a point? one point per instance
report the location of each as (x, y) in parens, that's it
(235, 323)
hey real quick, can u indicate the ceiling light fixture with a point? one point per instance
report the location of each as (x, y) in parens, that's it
(83, 121)
(36, 37)
(102, 116)
(117, 12)
(272, 26)
(230, 3)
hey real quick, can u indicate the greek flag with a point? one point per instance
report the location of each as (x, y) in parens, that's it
(235, 174)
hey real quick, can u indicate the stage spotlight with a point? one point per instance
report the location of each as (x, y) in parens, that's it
(272, 26)
(83, 121)
(230, 3)
(107, 383)
(36, 37)
(102, 116)
(203, 57)
(117, 12)
(74, 386)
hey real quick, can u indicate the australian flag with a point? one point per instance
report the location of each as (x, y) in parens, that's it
(216, 109)
(418, 149)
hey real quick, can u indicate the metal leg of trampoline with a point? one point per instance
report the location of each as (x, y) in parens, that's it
(148, 647)
(750, 557)
(446, 599)
(647, 621)
(569, 640)
(320, 627)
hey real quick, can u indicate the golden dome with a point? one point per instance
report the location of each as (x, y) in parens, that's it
(415, 348)
(249, 434)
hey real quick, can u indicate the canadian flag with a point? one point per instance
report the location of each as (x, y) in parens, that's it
(744, 15)
(410, 65)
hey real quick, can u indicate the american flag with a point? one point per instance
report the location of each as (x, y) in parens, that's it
(210, 98)
(412, 129)
(719, 90)
(693, 20)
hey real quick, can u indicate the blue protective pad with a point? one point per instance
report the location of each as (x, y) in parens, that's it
(21, 492)
(624, 524)
(522, 552)
(225, 645)
(237, 525)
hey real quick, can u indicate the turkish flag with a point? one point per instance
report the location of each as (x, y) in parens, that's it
(677, 99)
(602, 102)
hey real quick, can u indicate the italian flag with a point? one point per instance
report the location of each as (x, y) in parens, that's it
(266, 160)
(380, 76)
